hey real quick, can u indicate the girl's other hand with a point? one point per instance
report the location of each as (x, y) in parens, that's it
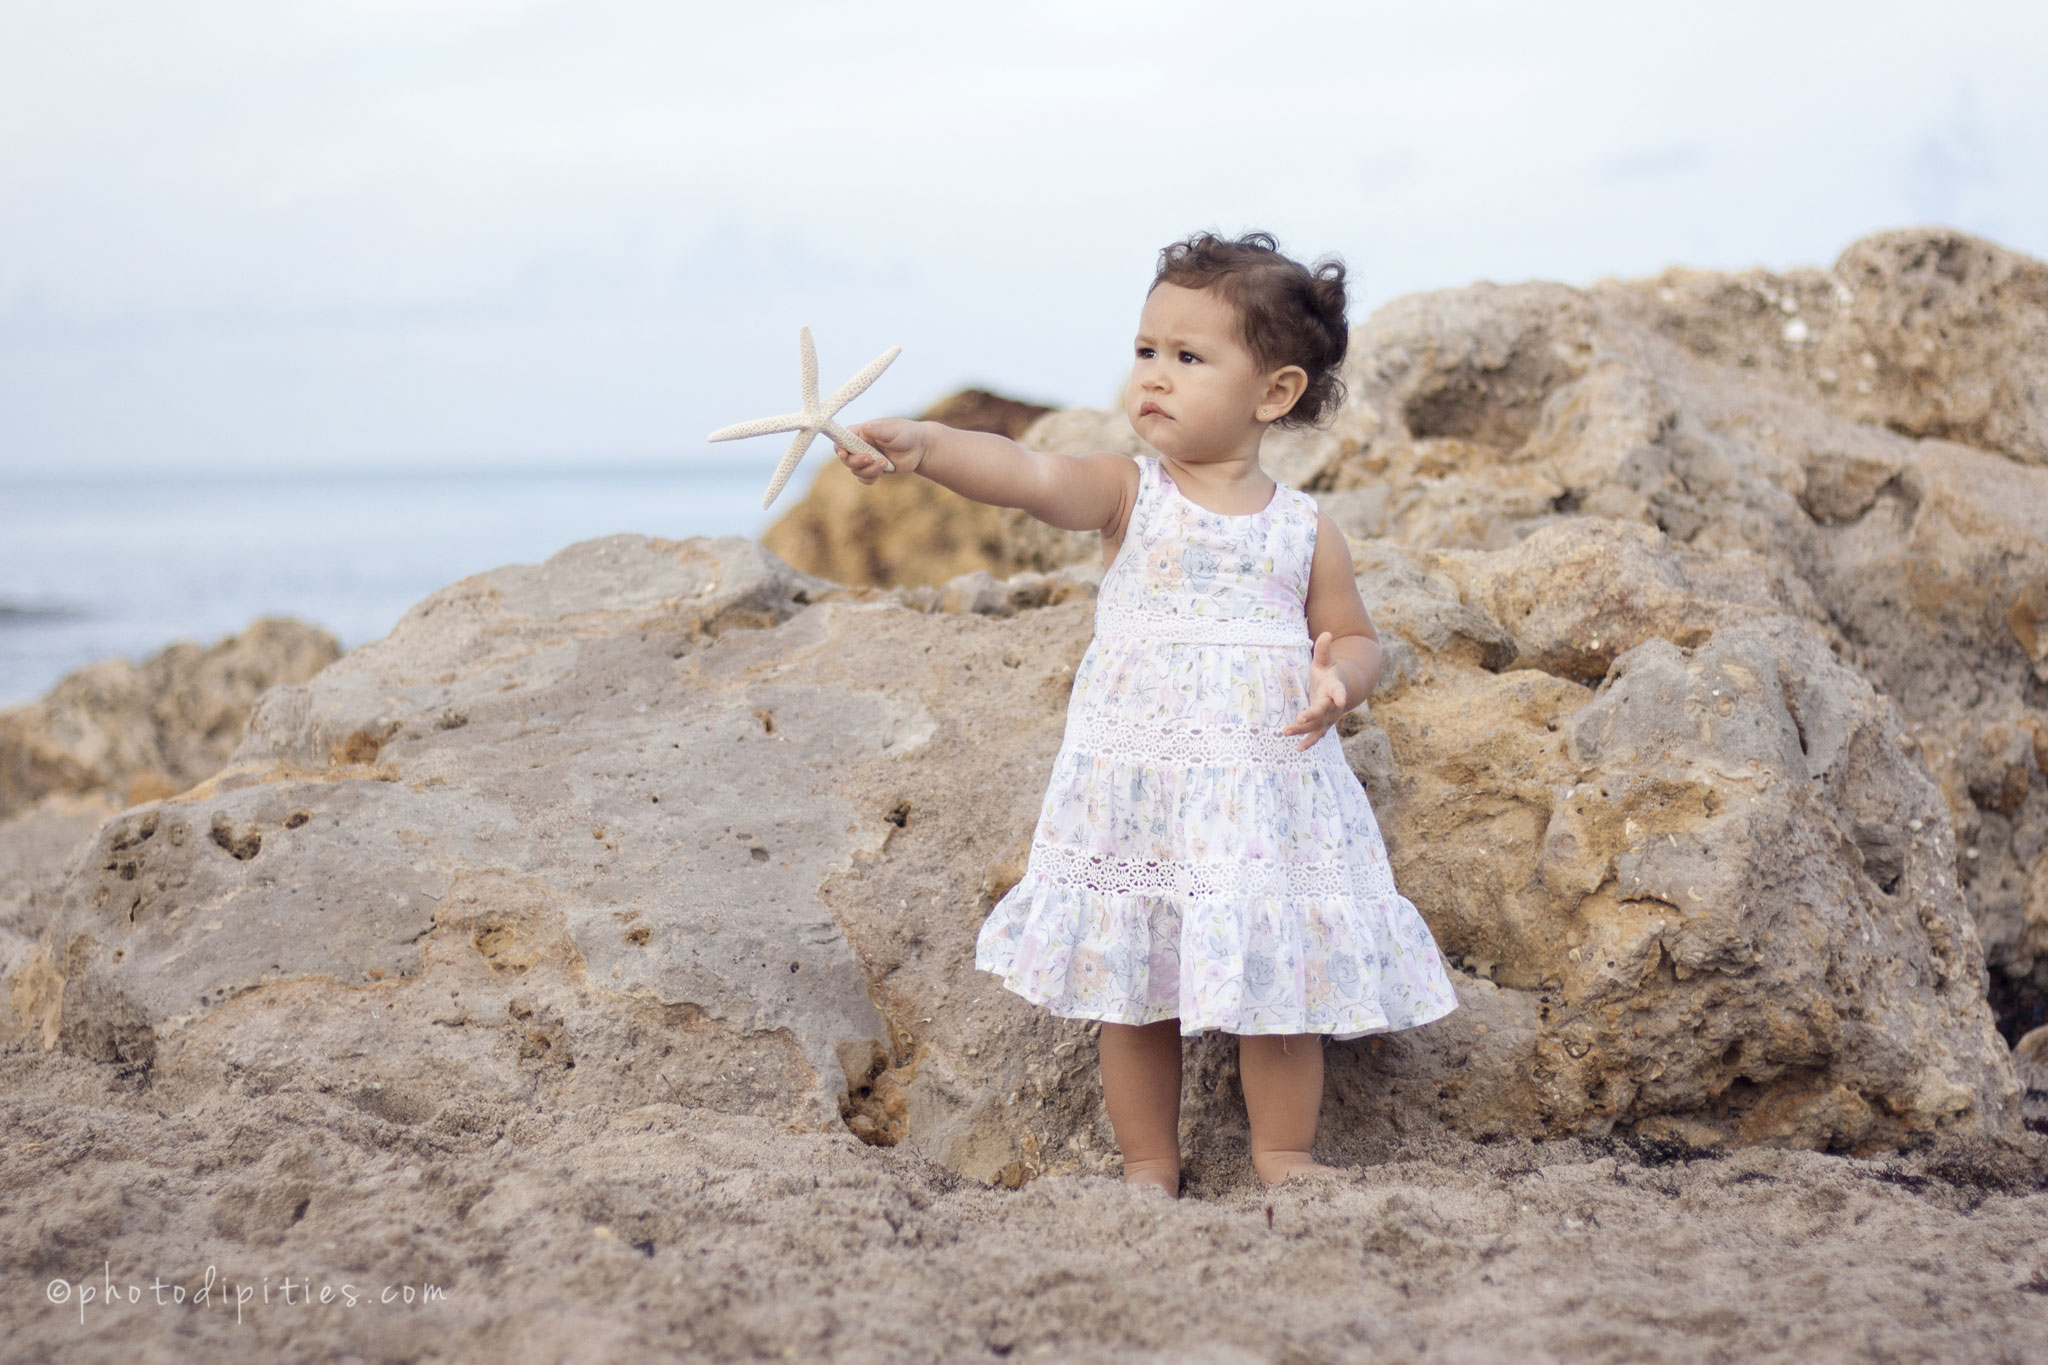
(903, 442)
(1326, 696)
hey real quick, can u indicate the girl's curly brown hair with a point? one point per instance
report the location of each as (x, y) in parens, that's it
(1289, 313)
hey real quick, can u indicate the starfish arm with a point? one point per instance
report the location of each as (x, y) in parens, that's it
(853, 387)
(810, 368)
(760, 426)
(846, 438)
(790, 461)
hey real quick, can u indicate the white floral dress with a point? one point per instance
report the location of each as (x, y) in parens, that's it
(1189, 860)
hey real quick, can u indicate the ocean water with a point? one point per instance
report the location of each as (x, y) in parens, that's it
(124, 565)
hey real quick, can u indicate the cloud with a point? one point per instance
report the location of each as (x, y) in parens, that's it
(1385, 171)
(1649, 162)
(1949, 163)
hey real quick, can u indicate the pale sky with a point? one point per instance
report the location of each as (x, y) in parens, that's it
(246, 235)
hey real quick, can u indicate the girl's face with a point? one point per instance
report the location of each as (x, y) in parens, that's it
(1196, 391)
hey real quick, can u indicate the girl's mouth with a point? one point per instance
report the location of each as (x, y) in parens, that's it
(1151, 410)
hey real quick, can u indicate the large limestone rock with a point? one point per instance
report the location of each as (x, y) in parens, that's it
(511, 845)
(1720, 870)
(1708, 743)
(661, 822)
(1928, 332)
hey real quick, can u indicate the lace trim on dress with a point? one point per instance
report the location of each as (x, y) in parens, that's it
(1109, 736)
(1115, 618)
(1262, 878)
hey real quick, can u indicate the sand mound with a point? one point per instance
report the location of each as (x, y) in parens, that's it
(548, 1231)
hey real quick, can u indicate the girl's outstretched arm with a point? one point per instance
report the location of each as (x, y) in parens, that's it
(1072, 492)
(1346, 666)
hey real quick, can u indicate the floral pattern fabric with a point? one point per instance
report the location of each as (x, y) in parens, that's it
(1189, 860)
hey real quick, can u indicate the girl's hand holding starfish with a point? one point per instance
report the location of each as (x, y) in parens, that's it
(904, 443)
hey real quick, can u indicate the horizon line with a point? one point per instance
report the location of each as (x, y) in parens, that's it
(325, 473)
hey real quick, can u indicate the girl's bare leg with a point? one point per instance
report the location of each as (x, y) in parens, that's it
(1282, 1077)
(1141, 1085)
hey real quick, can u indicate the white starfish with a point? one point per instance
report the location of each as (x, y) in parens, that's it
(815, 419)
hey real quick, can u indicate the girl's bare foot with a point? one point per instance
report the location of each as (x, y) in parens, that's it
(1154, 1175)
(1282, 1076)
(1277, 1168)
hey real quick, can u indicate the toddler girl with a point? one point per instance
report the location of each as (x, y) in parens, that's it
(1195, 866)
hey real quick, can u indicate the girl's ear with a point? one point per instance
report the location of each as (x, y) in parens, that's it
(1284, 388)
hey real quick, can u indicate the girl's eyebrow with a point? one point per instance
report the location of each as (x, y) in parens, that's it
(1194, 342)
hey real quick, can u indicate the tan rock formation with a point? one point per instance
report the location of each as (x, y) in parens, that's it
(159, 725)
(1699, 695)
(113, 734)
(1928, 332)
(660, 820)
(36, 849)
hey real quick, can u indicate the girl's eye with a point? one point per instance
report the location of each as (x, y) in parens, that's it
(1144, 353)
(1190, 358)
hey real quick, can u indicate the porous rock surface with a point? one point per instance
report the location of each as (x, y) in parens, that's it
(511, 845)
(108, 735)
(659, 821)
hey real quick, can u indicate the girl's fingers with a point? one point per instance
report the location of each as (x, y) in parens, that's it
(1315, 718)
(866, 468)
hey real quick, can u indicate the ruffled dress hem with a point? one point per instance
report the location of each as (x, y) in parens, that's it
(1051, 1005)
(1344, 959)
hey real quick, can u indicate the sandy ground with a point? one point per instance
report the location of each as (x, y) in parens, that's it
(672, 1233)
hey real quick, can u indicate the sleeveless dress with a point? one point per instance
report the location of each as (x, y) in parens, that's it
(1189, 860)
